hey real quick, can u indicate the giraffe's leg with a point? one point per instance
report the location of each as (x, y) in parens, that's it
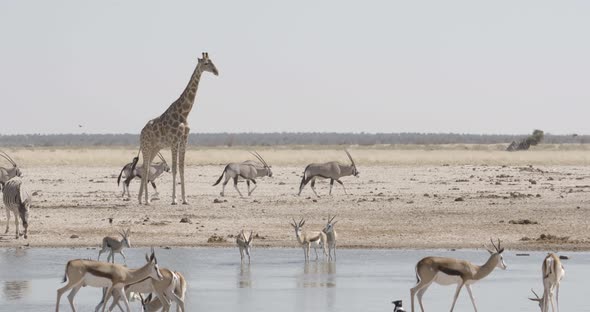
(174, 169)
(148, 156)
(181, 163)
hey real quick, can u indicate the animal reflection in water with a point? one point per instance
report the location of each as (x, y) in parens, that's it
(244, 276)
(15, 290)
(318, 275)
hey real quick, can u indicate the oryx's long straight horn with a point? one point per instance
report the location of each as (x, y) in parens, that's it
(10, 160)
(261, 159)
(350, 157)
(161, 157)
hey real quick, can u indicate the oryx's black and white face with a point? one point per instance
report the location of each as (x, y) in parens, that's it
(207, 64)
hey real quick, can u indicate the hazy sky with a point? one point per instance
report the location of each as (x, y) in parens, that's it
(344, 66)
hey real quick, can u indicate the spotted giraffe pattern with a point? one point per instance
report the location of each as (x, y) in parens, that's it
(171, 130)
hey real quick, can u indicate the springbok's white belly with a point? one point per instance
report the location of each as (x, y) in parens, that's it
(96, 281)
(445, 279)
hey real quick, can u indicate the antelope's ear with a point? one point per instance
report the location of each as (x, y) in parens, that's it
(501, 251)
(147, 258)
(535, 299)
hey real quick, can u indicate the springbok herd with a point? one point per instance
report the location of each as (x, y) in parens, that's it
(164, 287)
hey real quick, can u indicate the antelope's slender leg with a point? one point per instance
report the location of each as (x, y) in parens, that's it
(236, 186)
(338, 180)
(471, 296)
(459, 286)
(71, 296)
(312, 185)
(331, 185)
(248, 184)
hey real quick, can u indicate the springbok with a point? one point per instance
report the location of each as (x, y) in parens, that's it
(80, 273)
(156, 171)
(332, 170)
(149, 305)
(114, 245)
(165, 290)
(331, 237)
(244, 243)
(448, 271)
(306, 239)
(247, 171)
(8, 173)
(553, 272)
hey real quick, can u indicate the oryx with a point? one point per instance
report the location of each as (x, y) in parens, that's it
(247, 171)
(130, 173)
(332, 170)
(8, 173)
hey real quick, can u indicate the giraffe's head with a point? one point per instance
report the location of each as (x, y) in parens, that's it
(206, 64)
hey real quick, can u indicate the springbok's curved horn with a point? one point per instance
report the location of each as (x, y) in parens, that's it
(332, 218)
(294, 223)
(350, 157)
(492, 241)
(302, 222)
(10, 160)
(535, 294)
(499, 248)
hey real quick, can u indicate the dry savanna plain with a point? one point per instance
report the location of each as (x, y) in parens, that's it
(414, 196)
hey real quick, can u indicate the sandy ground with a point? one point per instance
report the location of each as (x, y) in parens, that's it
(388, 206)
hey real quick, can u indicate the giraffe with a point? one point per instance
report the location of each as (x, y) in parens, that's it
(171, 130)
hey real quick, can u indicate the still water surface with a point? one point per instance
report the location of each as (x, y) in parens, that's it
(279, 280)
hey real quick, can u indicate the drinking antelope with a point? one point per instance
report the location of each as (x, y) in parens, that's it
(244, 243)
(131, 173)
(247, 171)
(331, 237)
(172, 287)
(8, 173)
(332, 170)
(18, 200)
(149, 305)
(447, 271)
(553, 272)
(114, 245)
(81, 273)
(306, 239)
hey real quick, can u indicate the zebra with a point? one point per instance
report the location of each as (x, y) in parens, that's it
(156, 170)
(8, 173)
(18, 200)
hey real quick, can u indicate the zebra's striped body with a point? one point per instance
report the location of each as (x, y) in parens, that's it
(18, 200)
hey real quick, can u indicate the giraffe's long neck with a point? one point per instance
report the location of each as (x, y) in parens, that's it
(185, 102)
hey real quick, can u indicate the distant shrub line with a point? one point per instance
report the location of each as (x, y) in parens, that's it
(273, 139)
